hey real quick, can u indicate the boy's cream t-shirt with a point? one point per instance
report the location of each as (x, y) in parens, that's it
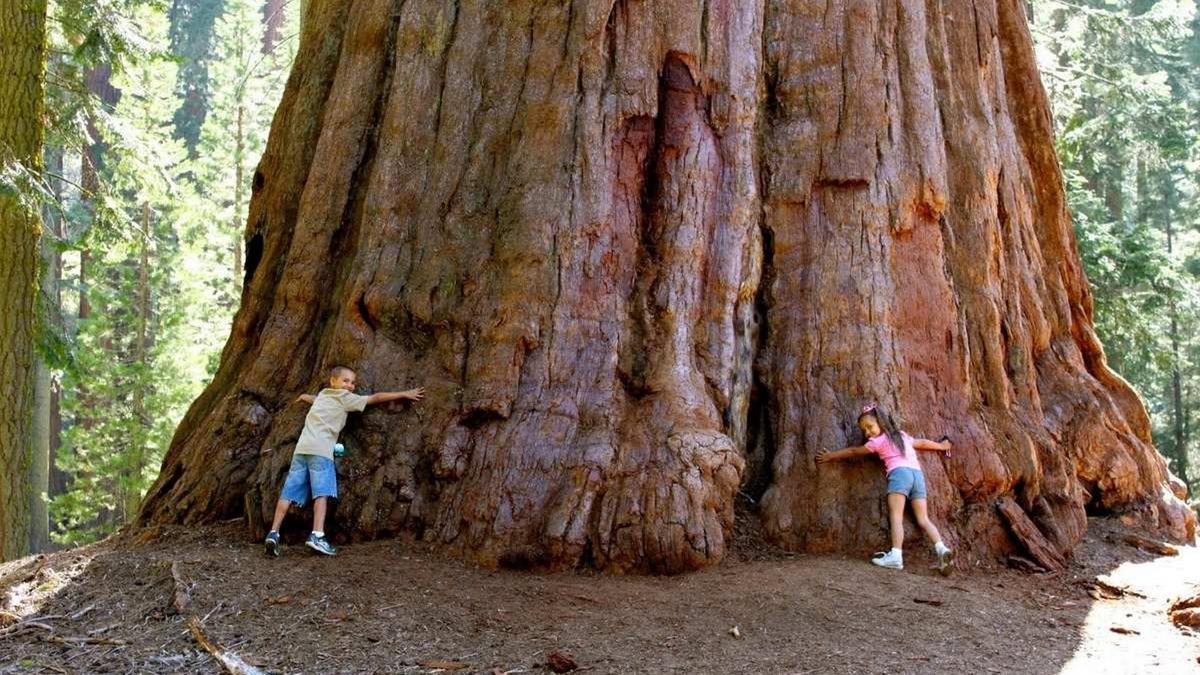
(326, 419)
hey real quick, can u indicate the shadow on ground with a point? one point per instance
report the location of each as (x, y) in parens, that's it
(389, 606)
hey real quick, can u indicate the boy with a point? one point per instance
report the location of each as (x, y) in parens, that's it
(312, 469)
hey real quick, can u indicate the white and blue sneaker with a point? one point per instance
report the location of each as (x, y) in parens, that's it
(945, 562)
(320, 545)
(272, 543)
(891, 559)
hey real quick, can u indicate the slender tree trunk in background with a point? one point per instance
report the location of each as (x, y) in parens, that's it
(52, 285)
(90, 161)
(1178, 412)
(23, 60)
(192, 23)
(141, 350)
(632, 248)
(273, 14)
(39, 465)
(99, 84)
(43, 387)
(238, 178)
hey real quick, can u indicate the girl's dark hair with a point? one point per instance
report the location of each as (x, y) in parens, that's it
(886, 423)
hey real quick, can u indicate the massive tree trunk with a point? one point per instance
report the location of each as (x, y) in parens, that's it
(23, 60)
(644, 255)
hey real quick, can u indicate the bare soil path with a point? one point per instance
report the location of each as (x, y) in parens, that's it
(395, 607)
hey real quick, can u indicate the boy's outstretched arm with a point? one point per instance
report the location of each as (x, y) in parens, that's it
(385, 396)
(926, 444)
(845, 453)
(307, 398)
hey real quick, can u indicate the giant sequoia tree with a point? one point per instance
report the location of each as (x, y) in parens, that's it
(647, 254)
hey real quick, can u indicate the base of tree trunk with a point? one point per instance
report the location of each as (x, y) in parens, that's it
(644, 256)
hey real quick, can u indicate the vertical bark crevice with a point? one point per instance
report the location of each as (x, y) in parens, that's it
(644, 256)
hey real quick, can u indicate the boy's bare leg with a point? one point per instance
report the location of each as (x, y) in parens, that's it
(281, 509)
(319, 513)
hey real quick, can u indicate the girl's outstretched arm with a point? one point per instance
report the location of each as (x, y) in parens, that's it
(845, 453)
(925, 444)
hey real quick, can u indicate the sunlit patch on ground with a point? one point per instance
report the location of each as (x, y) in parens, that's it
(35, 582)
(1134, 634)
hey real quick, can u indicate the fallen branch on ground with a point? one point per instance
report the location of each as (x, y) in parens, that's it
(22, 626)
(232, 663)
(1024, 565)
(1149, 545)
(84, 640)
(1102, 590)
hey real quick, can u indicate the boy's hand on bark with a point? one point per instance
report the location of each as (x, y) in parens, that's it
(415, 394)
(823, 457)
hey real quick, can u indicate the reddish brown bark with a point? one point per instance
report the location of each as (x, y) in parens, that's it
(646, 254)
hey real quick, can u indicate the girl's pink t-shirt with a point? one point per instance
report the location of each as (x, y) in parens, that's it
(893, 457)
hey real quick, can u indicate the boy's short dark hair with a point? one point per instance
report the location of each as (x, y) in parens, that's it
(339, 370)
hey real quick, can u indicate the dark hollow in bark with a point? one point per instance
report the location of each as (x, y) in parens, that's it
(646, 255)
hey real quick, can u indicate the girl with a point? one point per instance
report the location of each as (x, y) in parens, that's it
(905, 481)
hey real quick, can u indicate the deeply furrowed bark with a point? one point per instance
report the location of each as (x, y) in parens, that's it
(644, 255)
(22, 58)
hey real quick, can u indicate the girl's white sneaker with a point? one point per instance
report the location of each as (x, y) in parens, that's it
(945, 563)
(890, 560)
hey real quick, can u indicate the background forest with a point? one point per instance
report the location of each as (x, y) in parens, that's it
(157, 113)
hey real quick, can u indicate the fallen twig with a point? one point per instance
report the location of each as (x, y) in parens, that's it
(1149, 545)
(85, 640)
(232, 663)
(78, 615)
(1102, 590)
(21, 626)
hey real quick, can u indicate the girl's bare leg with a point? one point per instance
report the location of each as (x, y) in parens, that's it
(896, 518)
(921, 511)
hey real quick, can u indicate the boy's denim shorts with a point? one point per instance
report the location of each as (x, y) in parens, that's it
(309, 474)
(907, 481)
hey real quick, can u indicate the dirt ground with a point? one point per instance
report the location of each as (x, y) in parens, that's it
(396, 607)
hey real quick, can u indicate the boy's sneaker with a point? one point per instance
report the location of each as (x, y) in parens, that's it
(272, 543)
(320, 545)
(945, 562)
(889, 559)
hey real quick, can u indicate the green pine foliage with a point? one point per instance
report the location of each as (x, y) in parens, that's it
(1122, 76)
(161, 279)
